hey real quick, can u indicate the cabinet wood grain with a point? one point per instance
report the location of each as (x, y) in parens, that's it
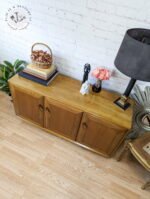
(100, 135)
(62, 119)
(29, 105)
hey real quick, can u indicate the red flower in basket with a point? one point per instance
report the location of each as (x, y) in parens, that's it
(100, 74)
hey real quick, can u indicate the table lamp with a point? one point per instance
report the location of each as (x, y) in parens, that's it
(133, 60)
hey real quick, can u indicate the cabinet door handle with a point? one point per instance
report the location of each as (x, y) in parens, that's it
(84, 125)
(48, 110)
(41, 108)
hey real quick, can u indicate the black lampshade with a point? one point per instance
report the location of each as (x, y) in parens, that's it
(133, 58)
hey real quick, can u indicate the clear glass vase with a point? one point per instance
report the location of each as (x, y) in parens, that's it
(97, 86)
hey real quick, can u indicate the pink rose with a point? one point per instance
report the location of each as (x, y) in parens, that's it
(96, 72)
(101, 73)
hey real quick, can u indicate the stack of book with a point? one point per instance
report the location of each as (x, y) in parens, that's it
(41, 76)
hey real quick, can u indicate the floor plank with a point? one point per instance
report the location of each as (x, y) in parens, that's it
(38, 165)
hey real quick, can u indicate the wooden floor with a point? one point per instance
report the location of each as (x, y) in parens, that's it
(37, 165)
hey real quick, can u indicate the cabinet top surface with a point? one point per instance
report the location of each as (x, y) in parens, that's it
(66, 90)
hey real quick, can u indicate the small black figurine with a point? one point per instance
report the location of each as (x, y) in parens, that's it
(87, 68)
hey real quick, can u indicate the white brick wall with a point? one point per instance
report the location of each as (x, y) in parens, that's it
(78, 31)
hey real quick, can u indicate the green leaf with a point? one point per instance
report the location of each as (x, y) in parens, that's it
(18, 63)
(2, 65)
(11, 74)
(5, 74)
(2, 68)
(19, 69)
(4, 86)
(8, 69)
(1, 87)
(3, 81)
(8, 64)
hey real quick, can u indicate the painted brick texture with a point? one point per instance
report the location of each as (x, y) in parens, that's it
(78, 31)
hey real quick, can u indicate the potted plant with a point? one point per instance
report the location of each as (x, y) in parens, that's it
(100, 74)
(8, 70)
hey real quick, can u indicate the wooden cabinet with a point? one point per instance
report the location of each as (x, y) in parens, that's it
(29, 105)
(100, 135)
(62, 119)
(92, 121)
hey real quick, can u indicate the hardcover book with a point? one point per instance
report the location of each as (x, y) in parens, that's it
(38, 80)
(41, 73)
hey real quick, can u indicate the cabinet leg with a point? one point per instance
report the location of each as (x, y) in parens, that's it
(123, 150)
(146, 185)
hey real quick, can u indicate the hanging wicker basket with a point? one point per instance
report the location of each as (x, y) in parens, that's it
(40, 58)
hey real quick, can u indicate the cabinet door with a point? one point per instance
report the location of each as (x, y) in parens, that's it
(29, 105)
(62, 119)
(99, 134)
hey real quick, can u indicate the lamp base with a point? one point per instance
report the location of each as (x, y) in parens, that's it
(122, 102)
